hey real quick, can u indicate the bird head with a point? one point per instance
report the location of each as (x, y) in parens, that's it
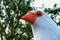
(44, 28)
(31, 16)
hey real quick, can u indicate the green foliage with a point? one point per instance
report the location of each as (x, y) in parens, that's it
(10, 25)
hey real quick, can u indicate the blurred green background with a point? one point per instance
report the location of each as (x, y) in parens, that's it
(12, 27)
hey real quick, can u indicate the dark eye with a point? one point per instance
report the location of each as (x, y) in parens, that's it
(38, 13)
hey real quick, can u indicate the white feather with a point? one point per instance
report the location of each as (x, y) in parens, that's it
(44, 28)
